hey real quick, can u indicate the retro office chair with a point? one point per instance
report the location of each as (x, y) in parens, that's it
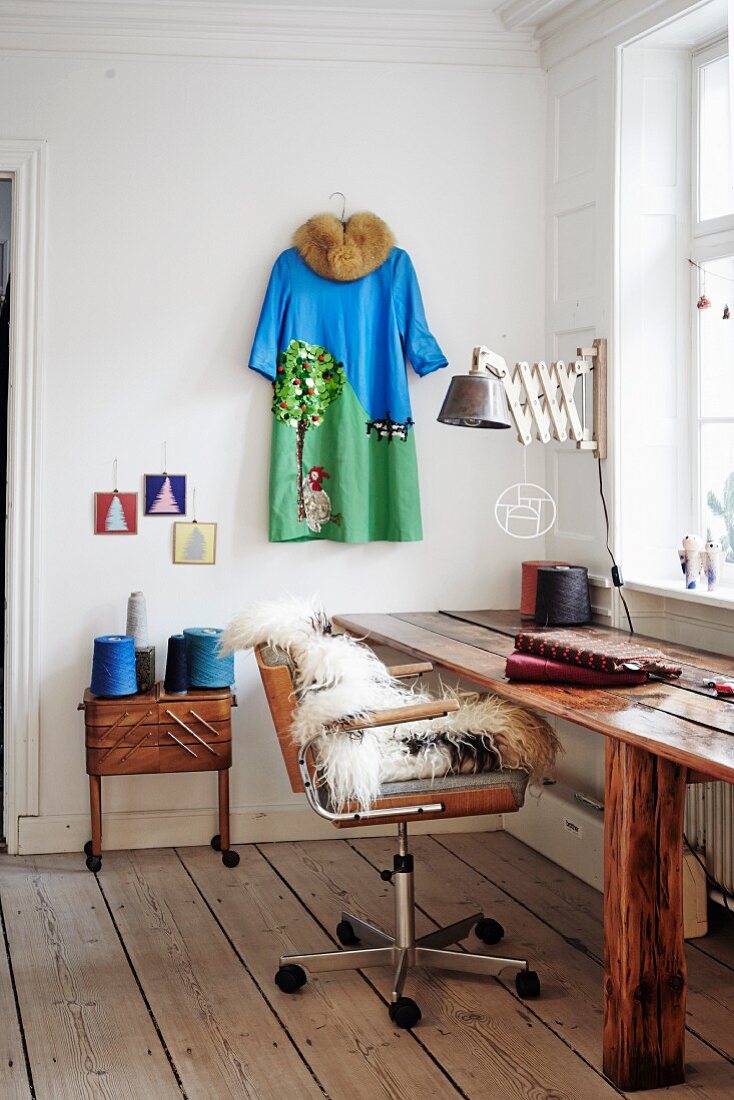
(444, 797)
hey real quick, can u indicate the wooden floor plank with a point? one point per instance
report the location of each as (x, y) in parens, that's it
(339, 1019)
(575, 910)
(14, 1083)
(554, 908)
(484, 1037)
(221, 1034)
(88, 1031)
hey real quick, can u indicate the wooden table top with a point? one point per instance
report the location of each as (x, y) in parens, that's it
(677, 719)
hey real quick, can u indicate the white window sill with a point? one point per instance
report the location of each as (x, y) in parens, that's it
(723, 596)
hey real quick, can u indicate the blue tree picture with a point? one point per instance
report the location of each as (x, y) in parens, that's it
(165, 494)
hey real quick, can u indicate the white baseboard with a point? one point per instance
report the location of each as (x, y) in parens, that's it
(180, 828)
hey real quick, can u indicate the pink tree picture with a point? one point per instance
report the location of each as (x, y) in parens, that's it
(165, 494)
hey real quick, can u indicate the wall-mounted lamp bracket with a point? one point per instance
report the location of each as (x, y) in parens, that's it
(542, 397)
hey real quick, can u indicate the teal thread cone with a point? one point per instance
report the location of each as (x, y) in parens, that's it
(207, 667)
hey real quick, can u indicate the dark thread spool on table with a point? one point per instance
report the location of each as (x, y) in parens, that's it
(562, 597)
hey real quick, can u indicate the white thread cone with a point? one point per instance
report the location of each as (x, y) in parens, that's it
(137, 619)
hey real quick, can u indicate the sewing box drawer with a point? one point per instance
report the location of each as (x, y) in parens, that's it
(154, 732)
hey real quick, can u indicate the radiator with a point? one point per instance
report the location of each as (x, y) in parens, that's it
(710, 829)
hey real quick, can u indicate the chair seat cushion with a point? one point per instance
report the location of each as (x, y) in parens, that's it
(516, 780)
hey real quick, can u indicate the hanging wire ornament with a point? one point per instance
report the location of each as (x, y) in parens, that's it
(726, 314)
(525, 510)
(703, 302)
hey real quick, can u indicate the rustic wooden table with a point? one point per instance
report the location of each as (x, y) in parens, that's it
(660, 736)
(156, 733)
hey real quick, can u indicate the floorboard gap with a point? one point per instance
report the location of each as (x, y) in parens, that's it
(19, 1014)
(139, 984)
(363, 975)
(257, 985)
(527, 1005)
(575, 944)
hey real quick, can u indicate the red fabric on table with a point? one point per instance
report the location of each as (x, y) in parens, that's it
(594, 649)
(525, 666)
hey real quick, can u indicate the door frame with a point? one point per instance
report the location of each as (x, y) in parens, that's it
(24, 162)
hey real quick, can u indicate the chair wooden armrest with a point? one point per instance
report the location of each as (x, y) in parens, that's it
(400, 672)
(396, 716)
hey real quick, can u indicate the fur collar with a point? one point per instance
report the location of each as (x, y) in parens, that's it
(344, 251)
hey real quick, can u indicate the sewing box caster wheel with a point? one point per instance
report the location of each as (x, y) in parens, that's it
(527, 984)
(290, 978)
(404, 1013)
(345, 934)
(94, 863)
(230, 858)
(489, 931)
(216, 842)
(88, 849)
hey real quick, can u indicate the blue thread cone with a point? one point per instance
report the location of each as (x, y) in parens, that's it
(207, 668)
(113, 666)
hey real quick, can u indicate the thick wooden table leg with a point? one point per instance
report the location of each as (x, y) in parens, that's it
(644, 958)
(223, 776)
(95, 808)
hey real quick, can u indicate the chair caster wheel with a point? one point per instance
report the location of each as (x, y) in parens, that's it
(94, 863)
(230, 858)
(527, 984)
(88, 849)
(404, 1013)
(345, 934)
(290, 978)
(216, 843)
(489, 931)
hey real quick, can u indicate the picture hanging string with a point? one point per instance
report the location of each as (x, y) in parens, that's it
(704, 302)
(165, 457)
(114, 476)
(193, 507)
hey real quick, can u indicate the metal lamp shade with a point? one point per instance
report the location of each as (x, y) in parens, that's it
(475, 401)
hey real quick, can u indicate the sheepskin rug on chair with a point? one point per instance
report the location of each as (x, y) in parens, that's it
(337, 678)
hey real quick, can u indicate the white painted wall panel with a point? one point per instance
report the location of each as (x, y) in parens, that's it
(575, 131)
(575, 253)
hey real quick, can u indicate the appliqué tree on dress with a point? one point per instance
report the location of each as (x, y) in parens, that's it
(308, 378)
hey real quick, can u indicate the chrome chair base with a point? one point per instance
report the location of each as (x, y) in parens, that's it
(383, 950)
(401, 951)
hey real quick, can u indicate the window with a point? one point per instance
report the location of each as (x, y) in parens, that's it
(713, 251)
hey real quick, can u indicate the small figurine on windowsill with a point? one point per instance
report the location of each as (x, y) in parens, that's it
(701, 563)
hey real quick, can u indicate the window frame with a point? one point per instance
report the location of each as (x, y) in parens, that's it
(711, 239)
(700, 59)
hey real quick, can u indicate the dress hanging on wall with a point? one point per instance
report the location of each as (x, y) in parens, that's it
(341, 315)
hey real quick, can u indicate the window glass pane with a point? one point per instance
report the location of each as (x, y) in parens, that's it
(717, 341)
(717, 483)
(716, 190)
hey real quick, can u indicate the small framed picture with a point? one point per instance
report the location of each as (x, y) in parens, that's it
(194, 543)
(115, 513)
(165, 494)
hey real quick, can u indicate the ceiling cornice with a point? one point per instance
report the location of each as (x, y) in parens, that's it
(528, 14)
(229, 29)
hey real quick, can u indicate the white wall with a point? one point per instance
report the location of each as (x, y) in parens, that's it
(172, 185)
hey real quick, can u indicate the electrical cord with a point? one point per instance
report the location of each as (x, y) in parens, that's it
(616, 571)
(709, 879)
